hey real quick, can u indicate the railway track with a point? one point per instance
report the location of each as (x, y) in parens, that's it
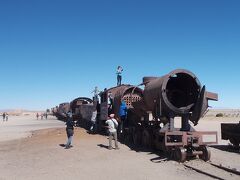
(213, 170)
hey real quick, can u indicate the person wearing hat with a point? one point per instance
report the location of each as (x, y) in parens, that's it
(112, 128)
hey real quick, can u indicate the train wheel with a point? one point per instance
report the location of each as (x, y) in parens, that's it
(128, 136)
(146, 139)
(206, 153)
(128, 139)
(180, 154)
(137, 137)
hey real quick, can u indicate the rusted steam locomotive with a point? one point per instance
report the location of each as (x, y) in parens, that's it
(152, 112)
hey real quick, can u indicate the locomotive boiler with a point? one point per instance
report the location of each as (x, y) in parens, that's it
(111, 100)
(177, 94)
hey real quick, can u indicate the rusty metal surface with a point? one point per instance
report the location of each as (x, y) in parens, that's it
(184, 137)
(82, 108)
(79, 101)
(128, 93)
(62, 109)
(177, 92)
(125, 92)
(212, 96)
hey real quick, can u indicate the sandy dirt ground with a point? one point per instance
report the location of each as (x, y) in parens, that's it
(30, 149)
(22, 126)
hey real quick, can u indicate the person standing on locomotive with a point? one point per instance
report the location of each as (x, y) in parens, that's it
(123, 115)
(95, 93)
(119, 75)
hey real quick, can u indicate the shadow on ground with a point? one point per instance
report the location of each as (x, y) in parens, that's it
(160, 155)
(227, 148)
(102, 146)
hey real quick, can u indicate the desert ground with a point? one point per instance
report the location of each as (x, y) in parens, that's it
(30, 149)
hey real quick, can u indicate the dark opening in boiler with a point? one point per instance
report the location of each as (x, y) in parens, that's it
(182, 90)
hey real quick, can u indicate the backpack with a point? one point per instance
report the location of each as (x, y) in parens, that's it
(115, 125)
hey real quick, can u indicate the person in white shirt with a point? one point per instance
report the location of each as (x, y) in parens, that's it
(95, 93)
(112, 128)
(93, 121)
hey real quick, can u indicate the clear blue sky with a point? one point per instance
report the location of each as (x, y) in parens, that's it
(52, 51)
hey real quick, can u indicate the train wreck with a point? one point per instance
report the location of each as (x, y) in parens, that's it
(152, 111)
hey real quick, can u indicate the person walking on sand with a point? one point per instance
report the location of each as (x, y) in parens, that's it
(4, 116)
(37, 115)
(112, 129)
(119, 75)
(69, 130)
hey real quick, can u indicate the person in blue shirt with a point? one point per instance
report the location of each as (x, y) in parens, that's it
(123, 115)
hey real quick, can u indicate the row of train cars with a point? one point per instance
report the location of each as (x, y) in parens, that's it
(153, 107)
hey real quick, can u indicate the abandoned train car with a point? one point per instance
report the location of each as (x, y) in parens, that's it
(82, 109)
